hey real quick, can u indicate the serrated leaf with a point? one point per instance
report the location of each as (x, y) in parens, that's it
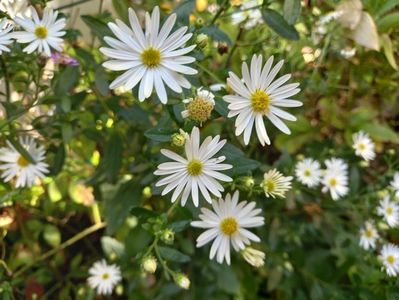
(171, 254)
(279, 24)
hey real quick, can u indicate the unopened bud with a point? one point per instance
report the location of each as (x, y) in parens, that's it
(168, 236)
(254, 257)
(249, 182)
(149, 264)
(223, 48)
(202, 40)
(179, 139)
(182, 280)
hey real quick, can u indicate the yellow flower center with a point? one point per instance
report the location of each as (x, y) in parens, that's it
(22, 162)
(307, 173)
(362, 147)
(260, 102)
(333, 182)
(391, 259)
(151, 57)
(369, 233)
(200, 109)
(269, 185)
(105, 276)
(229, 226)
(389, 211)
(194, 167)
(41, 32)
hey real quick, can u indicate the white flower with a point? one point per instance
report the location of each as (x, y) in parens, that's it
(14, 7)
(275, 184)
(335, 179)
(200, 107)
(389, 210)
(42, 33)
(154, 58)
(390, 259)
(363, 145)
(217, 87)
(227, 224)
(248, 14)
(5, 36)
(257, 95)
(368, 236)
(254, 257)
(15, 165)
(199, 170)
(103, 277)
(308, 172)
(395, 184)
(348, 53)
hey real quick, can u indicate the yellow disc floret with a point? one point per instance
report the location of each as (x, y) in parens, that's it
(200, 109)
(229, 226)
(194, 167)
(41, 32)
(260, 102)
(22, 162)
(151, 57)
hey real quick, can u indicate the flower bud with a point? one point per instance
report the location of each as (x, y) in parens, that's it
(223, 48)
(182, 280)
(149, 264)
(254, 257)
(202, 40)
(168, 236)
(179, 139)
(249, 182)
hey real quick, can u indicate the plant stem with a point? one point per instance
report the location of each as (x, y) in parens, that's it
(210, 73)
(72, 4)
(219, 12)
(7, 82)
(234, 47)
(64, 245)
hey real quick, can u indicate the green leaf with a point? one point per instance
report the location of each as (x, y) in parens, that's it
(390, 21)
(227, 280)
(292, 10)
(97, 25)
(274, 278)
(221, 107)
(66, 80)
(179, 226)
(112, 246)
(112, 159)
(381, 132)
(117, 208)
(216, 34)
(162, 132)
(242, 164)
(101, 81)
(279, 24)
(121, 7)
(388, 50)
(171, 254)
(58, 161)
(184, 10)
(52, 235)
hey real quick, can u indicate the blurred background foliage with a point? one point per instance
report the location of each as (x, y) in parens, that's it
(103, 147)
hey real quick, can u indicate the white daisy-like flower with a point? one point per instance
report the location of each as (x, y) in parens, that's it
(390, 258)
(227, 225)
(5, 35)
(103, 277)
(200, 107)
(335, 179)
(155, 58)
(275, 184)
(258, 95)
(13, 164)
(308, 172)
(389, 210)
(249, 14)
(395, 184)
(199, 170)
(41, 34)
(363, 145)
(368, 236)
(14, 8)
(254, 257)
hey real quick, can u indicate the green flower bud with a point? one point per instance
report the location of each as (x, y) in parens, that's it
(149, 264)
(202, 40)
(167, 236)
(182, 280)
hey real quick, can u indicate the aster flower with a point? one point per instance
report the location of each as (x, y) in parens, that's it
(254, 257)
(41, 34)
(363, 146)
(308, 172)
(389, 210)
(198, 171)
(368, 236)
(258, 95)
(5, 36)
(275, 184)
(227, 226)
(200, 107)
(15, 165)
(390, 259)
(335, 179)
(103, 277)
(15, 7)
(154, 58)
(395, 184)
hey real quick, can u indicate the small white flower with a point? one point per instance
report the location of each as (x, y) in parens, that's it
(390, 258)
(227, 226)
(103, 277)
(41, 34)
(308, 172)
(198, 171)
(217, 87)
(395, 184)
(155, 57)
(14, 8)
(258, 95)
(335, 179)
(363, 145)
(5, 35)
(368, 236)
(389, 210)
(254, 257)
(248, 14)
(348, 53)
(15, 165)
(200, 107)
(275, 184)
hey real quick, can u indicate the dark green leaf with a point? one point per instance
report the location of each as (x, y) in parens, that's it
(98, 26)
(292, 10)
(388, 22)
(101, 81)
(66, 80)
(279, 24)
(236, 157)
(171, 254)
(216, 34)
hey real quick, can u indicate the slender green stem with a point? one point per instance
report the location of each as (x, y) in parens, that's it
(219, 12)
(72, 4)
(6, 79)
(234, 47)
(61, 247)
(209, 72)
